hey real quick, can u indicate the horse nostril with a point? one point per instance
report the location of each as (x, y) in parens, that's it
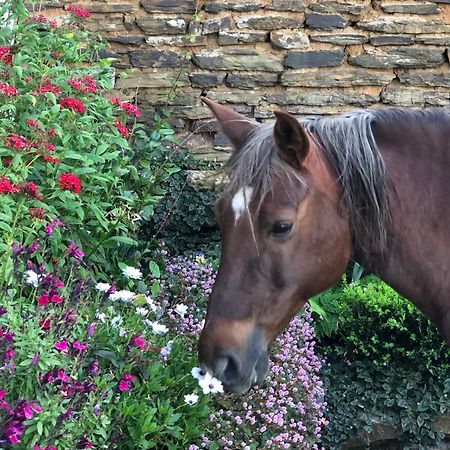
(230, 366)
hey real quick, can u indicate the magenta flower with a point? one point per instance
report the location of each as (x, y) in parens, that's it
(138, 341)
(125, 382)
(74, 251)
(62, 346)
(79, 346)
(56, 299)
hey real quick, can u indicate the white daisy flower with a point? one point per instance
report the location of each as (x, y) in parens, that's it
(197, 373)
(151, 303)
(191, 399)
(116, 321)
(181, 309)
(132, 272)
(103, 287)
(210, 385)
(157, 328)
(32, 277)
(101, 317)
(142, 311)
(123, 295)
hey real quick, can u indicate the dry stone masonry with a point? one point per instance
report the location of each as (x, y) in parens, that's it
(302, 56)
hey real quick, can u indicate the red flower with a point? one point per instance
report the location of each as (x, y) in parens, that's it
(130, 109)
(6, 187)
(40, 18)
(17, 141)
(56, 299)
(52, 132)
(8, 90)
(77, 11)
(73, 104)
(37, 213)
(48, 87)
(6, 55)
(51, 160)
(122, 129)
(43, 300)
(70, 182)
(84, 84)
(115, 100)
(49, 146)
(33, 124)
(30, 189)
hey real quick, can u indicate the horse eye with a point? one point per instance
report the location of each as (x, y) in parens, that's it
(280, 229)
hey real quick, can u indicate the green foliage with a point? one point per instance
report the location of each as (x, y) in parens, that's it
(387, 363)
(56, 121)
(398, 395)
(376, 322)
(184, 218)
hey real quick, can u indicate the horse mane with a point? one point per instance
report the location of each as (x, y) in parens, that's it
(349, 145)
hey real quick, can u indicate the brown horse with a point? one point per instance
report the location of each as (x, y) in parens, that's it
(306, 196)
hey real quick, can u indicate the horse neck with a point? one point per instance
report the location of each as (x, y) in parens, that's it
(416, 262)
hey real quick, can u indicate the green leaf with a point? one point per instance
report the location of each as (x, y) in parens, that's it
(154, 269)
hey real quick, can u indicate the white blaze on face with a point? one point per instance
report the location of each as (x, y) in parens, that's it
(241, 200)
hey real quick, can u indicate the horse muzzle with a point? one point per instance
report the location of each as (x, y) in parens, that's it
(237, 367)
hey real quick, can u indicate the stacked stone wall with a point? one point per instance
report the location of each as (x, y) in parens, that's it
(302, 56)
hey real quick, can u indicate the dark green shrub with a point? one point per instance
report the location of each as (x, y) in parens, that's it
(376, 322)
(184, 218)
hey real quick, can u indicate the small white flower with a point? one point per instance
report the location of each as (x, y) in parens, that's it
(202, 324)
(123, 295)
(116, 321)
(210, 385)
(132, 272)
(142, 311)
(32, 277)
(103, 287)
(191, 399)
(122, 331)
(181, 309)
(156, 327)
(198, 373)
(101, 317)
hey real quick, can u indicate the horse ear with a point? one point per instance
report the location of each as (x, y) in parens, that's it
(291, 139)
(236, 126)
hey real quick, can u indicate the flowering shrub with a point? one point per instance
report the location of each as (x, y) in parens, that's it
(67, 150)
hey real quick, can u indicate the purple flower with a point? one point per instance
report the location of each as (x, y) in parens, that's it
(74, 251)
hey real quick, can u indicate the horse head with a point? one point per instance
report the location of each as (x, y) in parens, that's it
(285, 237)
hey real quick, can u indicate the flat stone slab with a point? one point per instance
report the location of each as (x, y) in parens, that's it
(314, 58)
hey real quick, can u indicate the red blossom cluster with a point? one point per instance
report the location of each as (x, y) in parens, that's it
(8, 90)
(6, 187)
(40, 18)
(125, 382)
(128, 107)
(70, 182)
(31, 190)
(6, 55)
(47, 86)
(73, 104)
(78, 11)
(84, 84)
(122, 129)
(16, 141)
(36, 213)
